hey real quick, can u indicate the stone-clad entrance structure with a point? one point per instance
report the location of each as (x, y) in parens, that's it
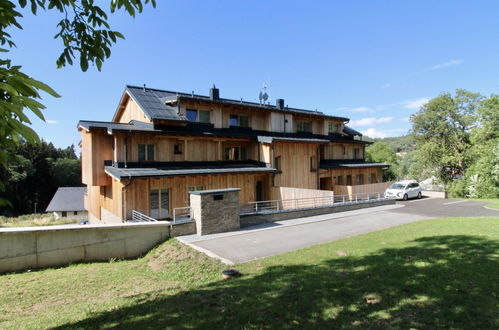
(215, 211)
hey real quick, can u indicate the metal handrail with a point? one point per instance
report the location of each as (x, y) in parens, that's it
(182, 214)
(308, 203)
(141, 217)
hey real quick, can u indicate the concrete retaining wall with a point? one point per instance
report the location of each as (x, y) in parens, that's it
(27, 248)
(250, 220)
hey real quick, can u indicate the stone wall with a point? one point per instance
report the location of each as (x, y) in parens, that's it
(215, 211)
(181, 229)
(251, 220)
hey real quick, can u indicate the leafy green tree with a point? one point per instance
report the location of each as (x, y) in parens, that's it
(442, 130)
(381, 152)
(34, 175)
(66, 172)
(86, 36)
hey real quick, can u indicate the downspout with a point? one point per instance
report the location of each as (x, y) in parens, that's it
(317, 160)
(123, 199)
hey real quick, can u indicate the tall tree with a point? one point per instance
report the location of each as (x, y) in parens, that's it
(35, 174)
(86, 37)
(381, 152)
(442, 130)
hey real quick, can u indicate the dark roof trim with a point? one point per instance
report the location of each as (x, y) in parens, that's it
(345, 163)
(206, 130)
(122, 173)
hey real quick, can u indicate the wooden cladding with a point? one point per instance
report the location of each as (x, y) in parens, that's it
(294, 161)
(96, 147)
(138, 193)
(343, 151)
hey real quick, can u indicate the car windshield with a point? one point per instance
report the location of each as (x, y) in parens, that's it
(399, 186)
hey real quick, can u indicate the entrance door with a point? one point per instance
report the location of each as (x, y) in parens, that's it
(159, 202)
(259, 195)
(326, 183)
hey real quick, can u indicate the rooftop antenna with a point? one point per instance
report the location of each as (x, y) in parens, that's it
(263, 96)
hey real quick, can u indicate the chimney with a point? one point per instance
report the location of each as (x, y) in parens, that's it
(279, 104)
(214, 93)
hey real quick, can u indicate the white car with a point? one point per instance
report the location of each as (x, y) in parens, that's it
(404, 190)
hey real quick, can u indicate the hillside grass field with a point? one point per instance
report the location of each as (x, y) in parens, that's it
(430, 274)
(32, 220)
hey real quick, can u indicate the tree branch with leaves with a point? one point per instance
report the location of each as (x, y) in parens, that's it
(86, 36)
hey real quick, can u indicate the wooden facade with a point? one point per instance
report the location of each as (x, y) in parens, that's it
(295, 161)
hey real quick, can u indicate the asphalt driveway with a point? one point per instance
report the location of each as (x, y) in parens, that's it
(283, 236)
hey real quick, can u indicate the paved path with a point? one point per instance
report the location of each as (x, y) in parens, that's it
(283, 236)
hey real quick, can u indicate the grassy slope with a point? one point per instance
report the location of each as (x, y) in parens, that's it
(494, 203)
(429, 274)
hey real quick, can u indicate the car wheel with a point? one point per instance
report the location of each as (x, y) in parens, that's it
(406, 197)
(419, 195)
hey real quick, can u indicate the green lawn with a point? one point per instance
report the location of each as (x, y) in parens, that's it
(494, 202)
(424, 275)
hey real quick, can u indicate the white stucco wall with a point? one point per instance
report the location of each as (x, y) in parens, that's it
(71, 215)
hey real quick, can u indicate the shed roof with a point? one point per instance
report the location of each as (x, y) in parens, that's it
(165, 169)
(67, 199)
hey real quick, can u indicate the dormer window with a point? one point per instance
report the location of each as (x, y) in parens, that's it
(239, 120)
(304, 126)
(199, 116)
(334, 127)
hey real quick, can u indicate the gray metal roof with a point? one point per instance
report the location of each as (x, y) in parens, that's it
(123, 173)
(153, 102)
(67, 199)
(110, 126)
(351, 131)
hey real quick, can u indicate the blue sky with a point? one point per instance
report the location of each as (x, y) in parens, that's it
(375, 62)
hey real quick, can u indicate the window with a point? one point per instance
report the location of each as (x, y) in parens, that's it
(146, 152)
(64, 213)
(304, 126)
(373, 178)
(356, 153)
(236, 153)
(277, 163)
(201, 116)
(177, 149)
(359, 179)
(349, 180)
(239, 120)
(204, 116)
(334, 127)
(192, 115)
(75, 213)
(339, 181)
(159, 203)
(313, 166)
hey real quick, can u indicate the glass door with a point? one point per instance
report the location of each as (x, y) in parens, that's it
(159, 202)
